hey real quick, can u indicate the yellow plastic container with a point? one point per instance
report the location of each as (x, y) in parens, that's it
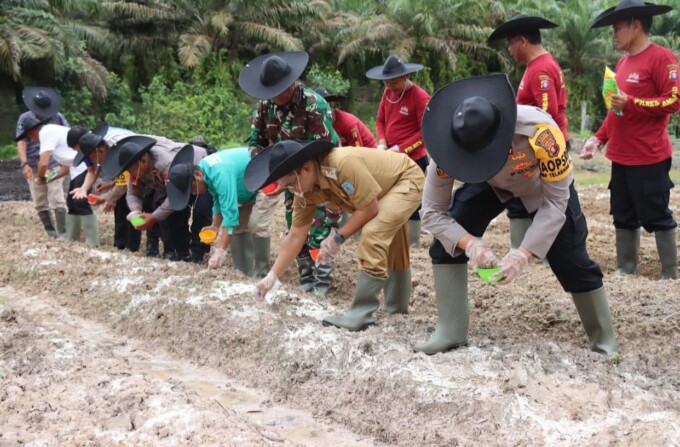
(207, 236)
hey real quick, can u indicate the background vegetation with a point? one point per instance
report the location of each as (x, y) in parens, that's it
(169, 67)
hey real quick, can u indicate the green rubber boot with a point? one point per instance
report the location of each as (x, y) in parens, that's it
(627, 250)
(60, 220)
(90, 229)
(593, 310)
(451, 290)
(242, 252)
(398, 291)
(46, 220)
(72, 223)
(262, 247)
(323, 278)
(360, 314)
(414, 233)
(306, 271)
(667, 247)
(518, 228)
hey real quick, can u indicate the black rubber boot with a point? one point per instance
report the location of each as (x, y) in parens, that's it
(46, 220)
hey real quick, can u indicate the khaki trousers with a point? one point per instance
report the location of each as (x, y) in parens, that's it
(260, 215)
(47, 197)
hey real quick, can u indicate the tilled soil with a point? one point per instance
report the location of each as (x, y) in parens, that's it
(526, 378)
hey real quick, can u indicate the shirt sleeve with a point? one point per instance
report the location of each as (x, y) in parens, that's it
(544, 91)
(380, 118)
(549, 217)
(48, 140)
(415, 141)
(134, 196)
(320, 122)
(62, 120)
(357, 182)
(601, 133)
(365, 135)
(257, 128)
(226, 197)
(302, 215)
(667, 84)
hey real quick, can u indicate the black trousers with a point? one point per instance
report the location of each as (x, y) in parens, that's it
(77, 207)
(422, 163)
(124, 234)
(180, 236)
(475, 205)
(639, 197)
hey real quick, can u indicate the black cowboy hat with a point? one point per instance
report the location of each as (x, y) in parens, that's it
(325, 94)
(269, 75)
(627, 10)
(468, 127)
(124, 153)
(280, 159)
(518, 24)
(89, 142)
(392, 68)
(29, 123)
(180, 175)
(44, 102)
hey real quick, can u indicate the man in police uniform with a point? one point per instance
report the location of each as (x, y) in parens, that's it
(380, 188)
(289, 111)
(469, 127)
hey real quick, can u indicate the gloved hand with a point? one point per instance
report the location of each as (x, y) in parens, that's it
(511, 265)
(267, 284)
(132, 214)
(394, 148)
(382, 146)
(480, 253)
(217, 258)
(329, 248)
(590, 148)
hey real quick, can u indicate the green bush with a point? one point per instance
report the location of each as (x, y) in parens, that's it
(8, 151)
(333, 81)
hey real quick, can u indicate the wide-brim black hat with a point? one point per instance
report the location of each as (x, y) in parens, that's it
(43, 101)
(269, 75)
(468, 127)
(628, 9)
(518, 24)
(27, 124)
(180, 175)
(89, 142)
(328, 96)
(125, 153)
(280, 159)
(392, 68)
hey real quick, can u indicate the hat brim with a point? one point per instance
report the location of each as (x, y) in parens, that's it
(101, 129)
(83, 153)
(610, 16)
(111, 168)
(258, 174)
(249, 78)
(377, 72)
(179, 198)
(24, 134)
(28, 96)
(520, 25)
(456, 161)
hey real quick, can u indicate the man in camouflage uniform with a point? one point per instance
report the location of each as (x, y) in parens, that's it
(290, 111)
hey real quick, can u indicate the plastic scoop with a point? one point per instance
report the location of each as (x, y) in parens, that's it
(314, 253)
(91, 199)
(137, 221)
(485, 274)
(270, 188)
(207, 236)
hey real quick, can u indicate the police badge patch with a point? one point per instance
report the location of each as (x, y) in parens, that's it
(348, 187)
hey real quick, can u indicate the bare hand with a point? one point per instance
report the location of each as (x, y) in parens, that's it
(590, 148)
(27, 172)
(619, 101)
(109, 207)
(103, 187)
(79, 193)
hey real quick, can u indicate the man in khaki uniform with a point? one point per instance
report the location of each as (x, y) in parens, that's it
(381, 189)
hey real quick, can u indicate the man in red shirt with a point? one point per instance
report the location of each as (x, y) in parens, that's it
(542, 86)
(400, 115)
(351, 130)
(637, 140)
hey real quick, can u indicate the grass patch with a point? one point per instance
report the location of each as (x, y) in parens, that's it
(8, 151)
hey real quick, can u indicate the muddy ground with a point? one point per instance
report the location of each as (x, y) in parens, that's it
(100, 347)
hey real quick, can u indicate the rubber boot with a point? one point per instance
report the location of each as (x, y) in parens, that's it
(397, 291)
(262, 248)
(46, 220)
(593, 310)
(414, 233)
(242, 252)
(306, 271)
(323, 277)
(72, 223)
(627, 250)
(152, 250)
(518, 228)
(360, 314)
(667, 247)
(91, 229)
(451, 290)
(60, 221)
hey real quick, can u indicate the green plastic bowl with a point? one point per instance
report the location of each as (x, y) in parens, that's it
(485, 274)
(137, 221)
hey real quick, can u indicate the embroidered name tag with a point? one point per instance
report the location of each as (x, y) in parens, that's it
(329, 172)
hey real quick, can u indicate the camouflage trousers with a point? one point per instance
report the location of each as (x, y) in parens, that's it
(324, 220)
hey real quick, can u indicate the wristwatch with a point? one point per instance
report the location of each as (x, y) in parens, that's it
(338, 238)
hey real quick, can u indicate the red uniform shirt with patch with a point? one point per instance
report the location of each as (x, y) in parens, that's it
(351, 130)
(543, 86)
(640, 136)
(399, 121)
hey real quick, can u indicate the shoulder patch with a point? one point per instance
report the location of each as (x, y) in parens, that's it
(329, 172)
(348, 187)
(551, 151)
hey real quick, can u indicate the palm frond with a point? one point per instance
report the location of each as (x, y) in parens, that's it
(192, 48)
(276, 37)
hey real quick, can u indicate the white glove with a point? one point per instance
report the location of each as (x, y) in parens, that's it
(267, 284)
(217, 258)
(480, 253)
(382, 146)
(590, 148)
(511, 265)
(132, 214)
(394, 148)
(329, 248)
